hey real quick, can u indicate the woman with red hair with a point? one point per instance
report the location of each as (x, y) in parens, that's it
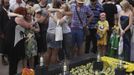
(15, 45)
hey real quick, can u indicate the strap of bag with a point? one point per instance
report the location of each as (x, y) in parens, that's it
(78, 15)
(86, 31)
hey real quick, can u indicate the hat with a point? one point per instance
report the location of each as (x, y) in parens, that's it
(36, 8)
(80, 1)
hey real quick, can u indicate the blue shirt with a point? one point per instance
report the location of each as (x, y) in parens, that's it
(96, 10)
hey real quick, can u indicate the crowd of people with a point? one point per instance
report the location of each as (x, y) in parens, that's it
(60, 29)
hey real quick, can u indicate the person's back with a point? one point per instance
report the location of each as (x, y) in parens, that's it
(111, 12)
(110, 9)
(3, 20)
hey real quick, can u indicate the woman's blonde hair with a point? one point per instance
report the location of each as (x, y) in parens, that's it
(125, 5)
(66, 7)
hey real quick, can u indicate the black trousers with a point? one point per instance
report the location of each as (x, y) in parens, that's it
(15, 54)
(91, 38)
(13, 64)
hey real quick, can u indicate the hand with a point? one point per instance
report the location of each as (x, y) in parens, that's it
(61, 10)
(33, 28)
(2, 36)
(122, 32)
(52, 10)
(34, 22)
(85, 26)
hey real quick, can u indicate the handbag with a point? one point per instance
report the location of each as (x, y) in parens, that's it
(58, 32)
(120, 51)
(85, 28)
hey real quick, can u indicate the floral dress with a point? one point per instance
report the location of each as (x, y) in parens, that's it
(30, 44)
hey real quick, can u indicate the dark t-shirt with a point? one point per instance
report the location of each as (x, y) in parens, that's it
(110, 10)
(17, 51)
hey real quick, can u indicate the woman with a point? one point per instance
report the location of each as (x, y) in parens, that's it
(15, 49)
(132, 31)
(52, 45)
(30, 43)
(67, 36)
(125, 21)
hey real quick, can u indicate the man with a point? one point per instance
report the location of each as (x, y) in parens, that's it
(81, 15)
(97, 8)
(42, 15)
(3, 20)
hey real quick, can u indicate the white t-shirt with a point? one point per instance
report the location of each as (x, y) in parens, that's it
(51, 24)
(118, 8)
(14, 5)
(65, 25)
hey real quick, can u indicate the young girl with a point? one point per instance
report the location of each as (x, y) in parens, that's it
(67, 36)
(51, 56)
(102, 29)
(114, 41)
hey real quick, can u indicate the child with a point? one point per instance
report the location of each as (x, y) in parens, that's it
(102, 29)
(114, 41)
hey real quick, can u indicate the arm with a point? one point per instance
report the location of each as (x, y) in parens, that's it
(23, 23)
(36, 27)
(54, 18)
(116, 19)
(61, 21)
(69, 13)
(130, 22)
(90, 18)
(107, 27)
(53, 10)
(64, 19)
(115, 15)
(1, 22)
(14, 14)
(90, 15)
(41, 19)
(119, 22)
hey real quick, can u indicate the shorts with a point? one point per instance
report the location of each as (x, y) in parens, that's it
(77, 37)
(51, 43)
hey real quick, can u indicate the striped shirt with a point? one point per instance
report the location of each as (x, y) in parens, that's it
(97, 9)
(84, 13)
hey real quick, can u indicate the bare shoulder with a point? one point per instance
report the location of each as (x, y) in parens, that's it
(130, 13)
